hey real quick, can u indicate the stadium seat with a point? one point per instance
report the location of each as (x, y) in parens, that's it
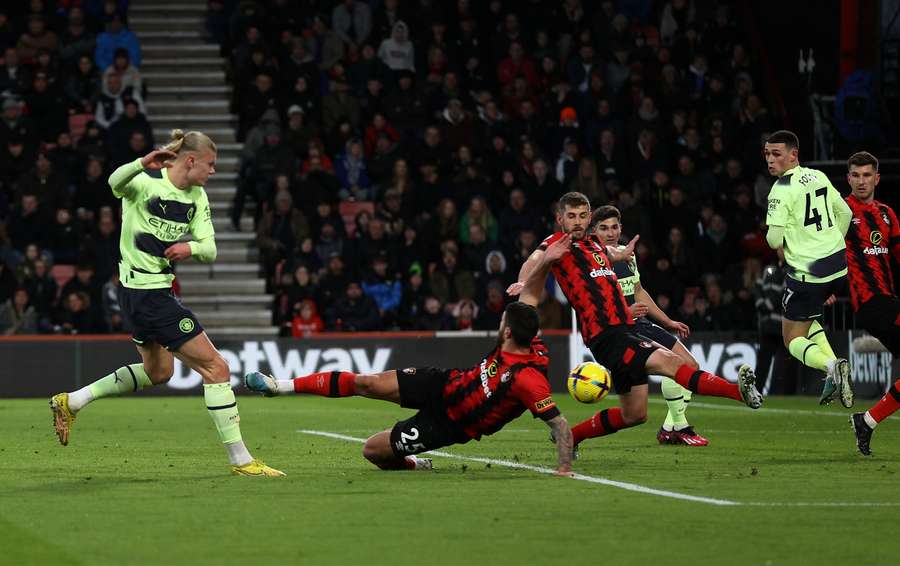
(349, 211)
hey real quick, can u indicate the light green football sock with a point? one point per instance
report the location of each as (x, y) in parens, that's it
(817, 335)
(223, 409)
(126, 379)
(809, 353)
(674, 395)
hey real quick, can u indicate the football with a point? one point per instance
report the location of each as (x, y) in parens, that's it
(589, 382)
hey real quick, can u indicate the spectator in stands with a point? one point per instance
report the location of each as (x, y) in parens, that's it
(478, 213)
(491, 311)
(350, 170)
(299, 131)
(354, 311)
(103, 247)
(16, 126)
(398, 52)
(262, 96)
(116, 36)
(280, 231)
(36, 37)
(92, 191)
(352, 21)
(26, 223)
(45, 183)
(17, 315)
(42, 289)
(111, 103)
(47, 106)
(65, 159)
(13, 76)
(329, 243)
(78, 315)
(128, 73)
(64, 238)
(124, 147)
(432, 316)
(82, 86)
(450, 282)
(414, 294)
(340, 105)
(77, 41)
(306, 320)
(385, 289)
(464, 314)
(326, 44)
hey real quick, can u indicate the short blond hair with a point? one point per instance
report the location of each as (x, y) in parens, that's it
(189, 141)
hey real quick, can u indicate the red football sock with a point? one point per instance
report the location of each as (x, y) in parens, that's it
(705, 383)
(605, 422)
(888, 404)
(327, 384)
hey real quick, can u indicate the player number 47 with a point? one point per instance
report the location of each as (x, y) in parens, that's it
(812, 213)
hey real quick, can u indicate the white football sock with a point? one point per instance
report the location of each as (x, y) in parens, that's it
(869, 420)
(80, 398)
(284, 386)
(238, 454)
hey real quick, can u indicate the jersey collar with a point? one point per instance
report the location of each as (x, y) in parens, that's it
(165, 176)
(790, 171)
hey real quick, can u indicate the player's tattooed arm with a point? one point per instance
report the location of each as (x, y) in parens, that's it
(564, 444)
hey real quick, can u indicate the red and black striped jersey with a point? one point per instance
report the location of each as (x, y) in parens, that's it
(587, 279)
(873, 236)
(481, 400)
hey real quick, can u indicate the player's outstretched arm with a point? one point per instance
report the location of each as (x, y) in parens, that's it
(564, 444)
(642, 296)
(529, 289)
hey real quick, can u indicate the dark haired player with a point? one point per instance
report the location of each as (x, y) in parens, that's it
(874, 236)
(455, 405)
(586, 277)
(606, 224)
(808, 218)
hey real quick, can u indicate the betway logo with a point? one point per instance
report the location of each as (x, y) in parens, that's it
(603, 272)
(288, 363)
(875, 251)
(871, 367)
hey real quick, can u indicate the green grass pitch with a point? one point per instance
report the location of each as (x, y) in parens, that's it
(145, 481)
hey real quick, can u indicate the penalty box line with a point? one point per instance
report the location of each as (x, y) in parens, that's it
(622, 485)
(547, 471)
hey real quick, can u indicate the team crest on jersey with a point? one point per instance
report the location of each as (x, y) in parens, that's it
(410, 371)
(645, 344)
(505, 377)
(876, 238)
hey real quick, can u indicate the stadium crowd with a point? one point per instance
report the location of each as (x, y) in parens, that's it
(72, 110)
(404, 156)
(407, 155)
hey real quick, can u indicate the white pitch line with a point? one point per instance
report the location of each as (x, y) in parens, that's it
(548, 471)
(623, 485)
(767, 410)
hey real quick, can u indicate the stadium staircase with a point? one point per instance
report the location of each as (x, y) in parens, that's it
(187, 89)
